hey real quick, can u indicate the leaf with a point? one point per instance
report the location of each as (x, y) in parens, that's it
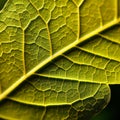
(57, 58)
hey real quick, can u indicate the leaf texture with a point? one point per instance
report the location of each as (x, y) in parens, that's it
(57, 58)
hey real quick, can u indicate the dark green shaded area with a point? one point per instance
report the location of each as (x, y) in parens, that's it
(2, 3)
(111, 112)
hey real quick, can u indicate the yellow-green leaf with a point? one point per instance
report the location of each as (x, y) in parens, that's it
(57, 58)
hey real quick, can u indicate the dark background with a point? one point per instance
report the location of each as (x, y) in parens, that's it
(2, 3)
(112, 111)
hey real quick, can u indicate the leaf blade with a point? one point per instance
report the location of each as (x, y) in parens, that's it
(46, 51)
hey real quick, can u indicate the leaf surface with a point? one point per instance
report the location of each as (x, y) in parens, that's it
(57, 58)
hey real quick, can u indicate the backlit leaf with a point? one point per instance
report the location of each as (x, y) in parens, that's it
(57, 58)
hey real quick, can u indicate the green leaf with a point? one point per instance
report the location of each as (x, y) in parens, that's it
(57, 58)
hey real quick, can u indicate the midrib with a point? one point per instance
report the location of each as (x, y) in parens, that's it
(65, 49)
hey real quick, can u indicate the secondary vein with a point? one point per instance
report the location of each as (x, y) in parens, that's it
(49, 59)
